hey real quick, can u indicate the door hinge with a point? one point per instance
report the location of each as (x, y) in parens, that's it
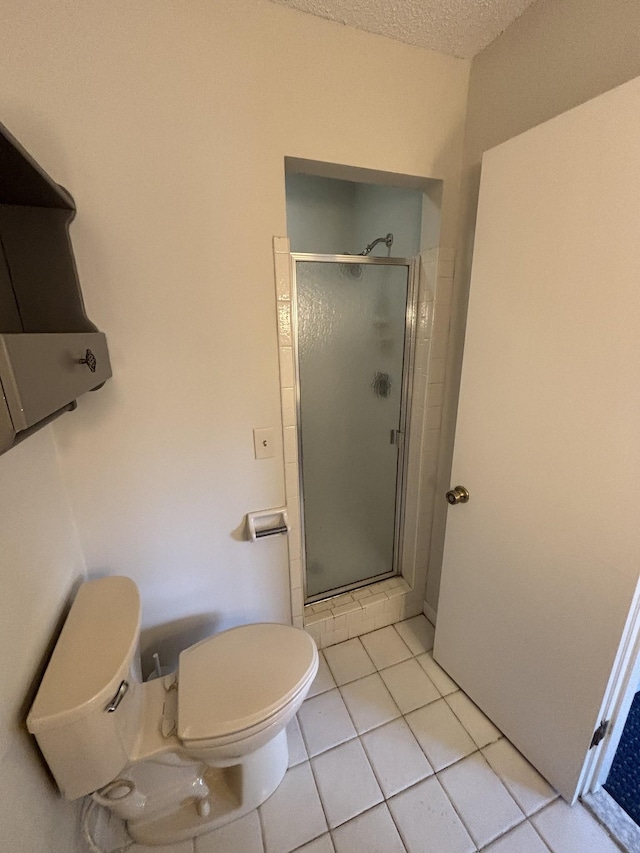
(396, 436)
(599, 734)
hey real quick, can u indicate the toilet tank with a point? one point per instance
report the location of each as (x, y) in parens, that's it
(87, 711)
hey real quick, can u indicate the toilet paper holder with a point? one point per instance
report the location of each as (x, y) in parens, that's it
(267, 522)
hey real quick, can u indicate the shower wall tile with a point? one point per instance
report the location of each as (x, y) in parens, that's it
(421, 355)
(284, 323)
(349, 607)
(385, 605)
(287, 378)
(297, 600)
(355, 617)
(359, 594)
(295, 544)
(425, 522)
(319, 606)
(395, 593)
(290, 442)
(331, 638)
(320, 619)
(430, 442)
(419, 393)
(435, 394)
(291, 480)
(293, 512)
(295, 573)
(288, 407)
(438, 370)
(360, 628)
(445, 291)
(445, 268)
(441, 317)
(281, 244)
(282, 269)
(439, 344)
(426, 311)
(434, 417)
(422, 557)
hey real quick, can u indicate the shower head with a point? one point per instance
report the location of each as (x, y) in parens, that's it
(388, 241)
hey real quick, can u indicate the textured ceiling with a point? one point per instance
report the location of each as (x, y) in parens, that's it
(457, 27)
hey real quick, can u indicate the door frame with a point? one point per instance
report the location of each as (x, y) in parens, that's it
(410, 325)
(623, 685)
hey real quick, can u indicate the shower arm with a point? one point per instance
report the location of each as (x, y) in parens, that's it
(388, 240)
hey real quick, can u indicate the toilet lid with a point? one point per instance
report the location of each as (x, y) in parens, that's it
(236, 679)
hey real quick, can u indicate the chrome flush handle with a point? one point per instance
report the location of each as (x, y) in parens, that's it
(117, 699)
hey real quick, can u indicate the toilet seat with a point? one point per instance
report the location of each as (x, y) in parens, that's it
(239, 682)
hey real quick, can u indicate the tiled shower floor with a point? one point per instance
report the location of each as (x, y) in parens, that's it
(388, 755)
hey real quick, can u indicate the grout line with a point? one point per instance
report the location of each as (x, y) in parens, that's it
(453, 805)
(393, 702)
(534, 828)
(512, 829)
(324, 811)
(527, 818)
(459, 718)
(435, 774)
(360, 676)
(370, 809)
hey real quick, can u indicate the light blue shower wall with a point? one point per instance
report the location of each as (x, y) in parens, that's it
(320, 214)
(379, 210)
(327, 216)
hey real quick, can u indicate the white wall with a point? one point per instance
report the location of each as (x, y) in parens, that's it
(40, 563)
(552, 58)
(169, 123)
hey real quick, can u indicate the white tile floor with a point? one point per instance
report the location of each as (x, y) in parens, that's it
(388, 756)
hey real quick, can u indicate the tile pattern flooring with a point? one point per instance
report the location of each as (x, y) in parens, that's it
(387, 755)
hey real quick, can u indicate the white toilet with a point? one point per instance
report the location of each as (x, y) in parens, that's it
(180, 755)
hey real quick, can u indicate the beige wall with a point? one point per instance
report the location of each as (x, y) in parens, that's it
(169, 123)
(40, 563)
(558, 54)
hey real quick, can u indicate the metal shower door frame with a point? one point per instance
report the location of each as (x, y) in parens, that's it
(408, 359)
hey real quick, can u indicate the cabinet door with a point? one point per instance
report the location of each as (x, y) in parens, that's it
(42, 373)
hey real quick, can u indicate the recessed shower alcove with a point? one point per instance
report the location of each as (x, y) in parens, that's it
(353, 350)
(356, 288)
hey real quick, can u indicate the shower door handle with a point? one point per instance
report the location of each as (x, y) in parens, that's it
(396, 436)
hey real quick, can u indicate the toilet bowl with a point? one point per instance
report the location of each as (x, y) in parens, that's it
(185, 753)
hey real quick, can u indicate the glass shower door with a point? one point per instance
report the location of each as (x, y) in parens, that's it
(352, 340)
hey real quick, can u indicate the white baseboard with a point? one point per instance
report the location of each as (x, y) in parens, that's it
(430, 613)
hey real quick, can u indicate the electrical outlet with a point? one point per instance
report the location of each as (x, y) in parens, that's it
(263, 442)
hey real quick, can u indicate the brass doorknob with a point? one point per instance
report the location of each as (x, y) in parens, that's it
(457, 495)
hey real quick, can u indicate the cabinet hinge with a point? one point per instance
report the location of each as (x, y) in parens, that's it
(599, 734)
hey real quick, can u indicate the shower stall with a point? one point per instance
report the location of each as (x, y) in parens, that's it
(353, 327)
